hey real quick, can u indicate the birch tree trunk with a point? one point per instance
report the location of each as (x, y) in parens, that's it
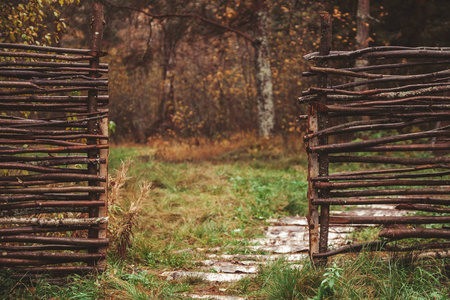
(263, 76)
(362, 32)
(362, 16)
(362, 37)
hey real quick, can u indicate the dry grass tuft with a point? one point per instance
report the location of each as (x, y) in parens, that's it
(123, 219)
(116, 184)
(128, 221)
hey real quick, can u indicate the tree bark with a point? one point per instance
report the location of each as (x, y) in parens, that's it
(362, 38)
(263, 75)
(362, 32)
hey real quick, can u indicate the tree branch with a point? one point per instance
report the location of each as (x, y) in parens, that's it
(184, 15)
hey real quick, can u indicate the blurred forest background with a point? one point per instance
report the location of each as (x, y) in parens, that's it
(189, 68)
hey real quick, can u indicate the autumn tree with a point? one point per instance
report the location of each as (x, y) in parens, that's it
(252, 14)
(33, 21)
(179, 68)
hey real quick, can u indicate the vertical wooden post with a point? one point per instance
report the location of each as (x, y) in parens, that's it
(324, 49)
(318, 164)
(95, 128)
(103, 210)
(313, 171)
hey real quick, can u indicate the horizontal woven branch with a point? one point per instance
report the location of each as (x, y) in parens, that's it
(384, 52)
(379, 200)
(89, 242)
(54, 222)
(390, 220)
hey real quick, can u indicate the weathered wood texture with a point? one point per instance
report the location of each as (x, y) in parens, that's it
(394, 134)
(318, 164)
(53, 157)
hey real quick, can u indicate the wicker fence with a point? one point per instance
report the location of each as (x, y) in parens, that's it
(53, 156)
(384, 113)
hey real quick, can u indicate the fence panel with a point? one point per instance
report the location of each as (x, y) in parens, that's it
(53, 156)
(383, 140)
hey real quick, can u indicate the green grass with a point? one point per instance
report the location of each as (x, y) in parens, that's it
(208, 203)
(80, 288)
(223, 202)
(366, 276)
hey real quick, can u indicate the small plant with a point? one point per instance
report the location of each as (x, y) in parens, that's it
(329, 283)
(111, 127)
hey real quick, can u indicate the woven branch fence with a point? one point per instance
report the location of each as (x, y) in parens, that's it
(53, 156)
(384, 113)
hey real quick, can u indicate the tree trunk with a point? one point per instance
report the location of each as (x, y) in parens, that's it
(362, 38)
(167, 105)
(362, 16)
(362, 33)
(172, 34)
(263, 76)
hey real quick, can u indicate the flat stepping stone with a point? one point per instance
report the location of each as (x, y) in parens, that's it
(379, 206)
(211, 262)
(279, 242)
(341, 229)
(212, 277)
(337, 243)
(375, 210)
(281, 249)
(285, 231)
(294, 231)
(299, 239)
(360, 212)
(231, 267)
(215, 249)
(259, 257)
(300, 221)
(285, 239)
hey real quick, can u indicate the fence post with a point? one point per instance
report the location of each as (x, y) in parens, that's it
(94, 127)
(318, 163)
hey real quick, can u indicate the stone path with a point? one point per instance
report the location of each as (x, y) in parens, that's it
(286, 237)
